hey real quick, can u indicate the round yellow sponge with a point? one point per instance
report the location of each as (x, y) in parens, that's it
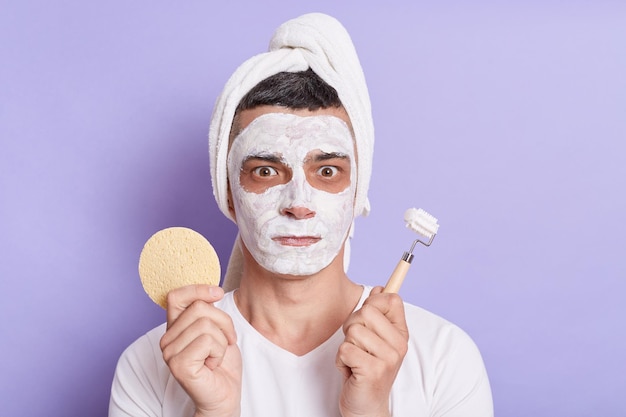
(175, 257)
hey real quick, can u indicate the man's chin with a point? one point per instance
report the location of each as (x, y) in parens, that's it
(298, 266)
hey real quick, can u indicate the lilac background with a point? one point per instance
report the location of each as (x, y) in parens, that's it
(507, 120)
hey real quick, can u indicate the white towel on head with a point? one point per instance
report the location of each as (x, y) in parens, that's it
(313, 40)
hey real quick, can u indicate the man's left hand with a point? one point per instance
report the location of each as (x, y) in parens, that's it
(376, 341)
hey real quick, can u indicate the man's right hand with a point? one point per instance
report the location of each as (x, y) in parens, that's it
(200, 349)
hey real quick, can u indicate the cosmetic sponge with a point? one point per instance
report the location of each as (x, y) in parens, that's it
(176, 257)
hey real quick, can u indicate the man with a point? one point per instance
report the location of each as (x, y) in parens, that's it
(291, 143)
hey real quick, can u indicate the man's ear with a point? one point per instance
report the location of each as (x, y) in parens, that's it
(231, 206)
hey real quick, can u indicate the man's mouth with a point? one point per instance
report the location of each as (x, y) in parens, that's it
(296, 240)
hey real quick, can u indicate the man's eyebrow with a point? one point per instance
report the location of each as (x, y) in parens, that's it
(325, 156)
(267, 157)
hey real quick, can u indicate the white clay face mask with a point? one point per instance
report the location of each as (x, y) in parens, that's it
(293, 227)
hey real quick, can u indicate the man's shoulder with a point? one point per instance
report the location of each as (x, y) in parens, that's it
(421, 316)
(448, 360)
(426, 327)
(146, 345)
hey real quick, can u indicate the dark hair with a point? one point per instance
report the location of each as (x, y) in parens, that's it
(295, 90)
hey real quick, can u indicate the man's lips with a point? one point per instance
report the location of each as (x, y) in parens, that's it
(296, 240)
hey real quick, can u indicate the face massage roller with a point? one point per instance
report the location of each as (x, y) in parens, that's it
(426, 226)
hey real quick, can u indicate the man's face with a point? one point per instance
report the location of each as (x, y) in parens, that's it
(292, 181)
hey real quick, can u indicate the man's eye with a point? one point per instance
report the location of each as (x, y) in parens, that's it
(264, 171)
(328, 171)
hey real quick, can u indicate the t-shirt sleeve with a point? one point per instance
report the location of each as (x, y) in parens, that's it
(462, 388)
(139, 381)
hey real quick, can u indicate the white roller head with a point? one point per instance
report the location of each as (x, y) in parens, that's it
(421, 222)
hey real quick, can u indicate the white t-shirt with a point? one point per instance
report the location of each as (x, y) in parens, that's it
(442, 375)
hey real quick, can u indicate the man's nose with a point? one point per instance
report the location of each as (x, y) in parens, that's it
(296, 199)
(298, 212)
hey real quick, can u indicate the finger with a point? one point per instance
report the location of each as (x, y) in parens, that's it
(366, 326)
(350, 359)
(203, 330)
(377, 290)
(390, 305)
(207, 314)
(179, 299)
(370, 342)
(372, 317)
(344, 369)
(190, 362)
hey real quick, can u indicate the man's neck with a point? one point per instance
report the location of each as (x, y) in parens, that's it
(296, 313)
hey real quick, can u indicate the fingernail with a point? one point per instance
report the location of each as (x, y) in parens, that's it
(216, 291)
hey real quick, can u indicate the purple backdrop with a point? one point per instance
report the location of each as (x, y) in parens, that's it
(508, 122)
